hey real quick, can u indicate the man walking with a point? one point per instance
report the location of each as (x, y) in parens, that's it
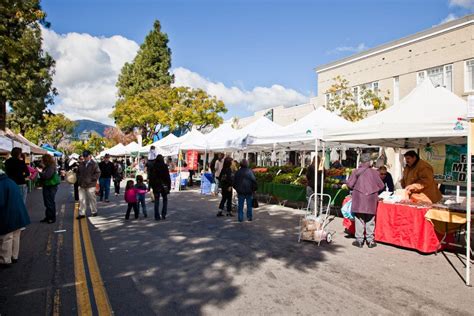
(106, 172)
(87, 175)
(245, 184)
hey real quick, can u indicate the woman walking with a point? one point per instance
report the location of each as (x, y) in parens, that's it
(245, 184)
(51, 180)
(226, 181)
(118, 176)
(160, 182)
(365, 184)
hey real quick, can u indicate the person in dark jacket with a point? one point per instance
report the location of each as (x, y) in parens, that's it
(160, 182)
(118, 176)
(87, 175)
(50, 180)
(365, 184)
(245, 184)
(13, 217)
(226, 181)
(106, 172)
(16, 169)
(386, 179)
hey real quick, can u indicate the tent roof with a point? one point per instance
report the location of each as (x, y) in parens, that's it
(300, 134)
(193, 140)
(35, 149)
(165, 141)
(426, 115)
(132, 147)
(117, 150)
(221, 137)
(52, 151)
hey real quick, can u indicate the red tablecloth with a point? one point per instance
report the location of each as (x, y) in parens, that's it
(404, 226)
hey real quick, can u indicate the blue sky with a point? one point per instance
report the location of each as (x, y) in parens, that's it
(249, 44)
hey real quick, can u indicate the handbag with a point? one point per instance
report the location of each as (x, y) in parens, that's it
(71, 177)
(54, 180)
(255, 202)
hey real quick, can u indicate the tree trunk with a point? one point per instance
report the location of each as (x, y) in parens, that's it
(3, 114)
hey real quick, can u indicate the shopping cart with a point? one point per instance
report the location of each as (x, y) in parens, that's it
(313, 227)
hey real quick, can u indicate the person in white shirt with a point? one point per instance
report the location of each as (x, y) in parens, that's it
(218, 169)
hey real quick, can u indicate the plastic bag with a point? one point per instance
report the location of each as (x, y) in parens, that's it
(71, 177)
(346, 210)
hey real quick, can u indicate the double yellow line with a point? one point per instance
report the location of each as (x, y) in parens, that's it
(82, 290)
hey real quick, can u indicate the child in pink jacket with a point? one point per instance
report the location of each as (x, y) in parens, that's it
(131, 198)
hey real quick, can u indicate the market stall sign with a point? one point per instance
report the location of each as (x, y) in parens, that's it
(192, 159)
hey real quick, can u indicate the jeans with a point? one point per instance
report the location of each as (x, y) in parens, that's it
(49, 193)
(129, 208)
(364, 222)
(141, 201)
(104, 188)
(217, 185)
(249, 200)
(157, 205)
(87, 198)
(24, 191)
(226, 197)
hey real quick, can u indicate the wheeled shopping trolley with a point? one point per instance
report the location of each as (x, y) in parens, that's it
(313, 225)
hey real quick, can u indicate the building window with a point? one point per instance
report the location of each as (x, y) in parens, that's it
(375, 87)
(396, 89)
(328, 98)
(355, 92)
(440, 76)
(469, 76)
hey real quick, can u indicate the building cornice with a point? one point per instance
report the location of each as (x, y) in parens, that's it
(437, 30)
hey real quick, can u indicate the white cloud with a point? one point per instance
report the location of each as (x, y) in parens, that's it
(351, 49)
(449, 18)
(256, 99)
(466, 4)
(87, 69)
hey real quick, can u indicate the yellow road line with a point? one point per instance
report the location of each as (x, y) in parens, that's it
(100, 294)
(82, 292)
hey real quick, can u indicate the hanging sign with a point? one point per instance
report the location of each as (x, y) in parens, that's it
(192, 159)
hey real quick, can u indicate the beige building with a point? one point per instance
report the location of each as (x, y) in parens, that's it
(444, 53)
(280, 114)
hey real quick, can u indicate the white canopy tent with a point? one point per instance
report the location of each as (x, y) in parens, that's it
(221, 138)
(165, 141)
(132, 147)
(299, 135)
(194, 140)
(427, 115)
(117, 150)
(262, 127)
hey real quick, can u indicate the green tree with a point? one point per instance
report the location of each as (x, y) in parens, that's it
(56, 129)
(150, 68)
(178, 108)
(343, 101)
(95, 144)
(25, 69)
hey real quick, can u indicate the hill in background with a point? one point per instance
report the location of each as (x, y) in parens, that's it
(89, 126)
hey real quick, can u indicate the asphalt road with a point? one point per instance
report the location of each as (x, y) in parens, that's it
(197, 264)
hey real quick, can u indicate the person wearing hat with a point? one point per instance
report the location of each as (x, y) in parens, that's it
(88, 173)
(106, 172)
(365, 184)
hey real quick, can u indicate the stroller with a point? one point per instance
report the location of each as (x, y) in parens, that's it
(313, 227)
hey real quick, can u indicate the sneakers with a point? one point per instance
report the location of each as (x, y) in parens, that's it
(372, 244)
(358, 244)
(80, 216)
(44, 220)
(219, 214)
(95, 214)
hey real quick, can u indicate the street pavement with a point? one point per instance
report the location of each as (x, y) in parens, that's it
(195, 263)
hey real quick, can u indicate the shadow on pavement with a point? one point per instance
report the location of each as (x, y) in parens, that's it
(191, 260)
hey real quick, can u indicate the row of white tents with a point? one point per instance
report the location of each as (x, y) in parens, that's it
(426, 116)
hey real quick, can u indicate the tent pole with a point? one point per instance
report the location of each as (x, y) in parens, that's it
(468, 204)
(322, 177)
(316, 167)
